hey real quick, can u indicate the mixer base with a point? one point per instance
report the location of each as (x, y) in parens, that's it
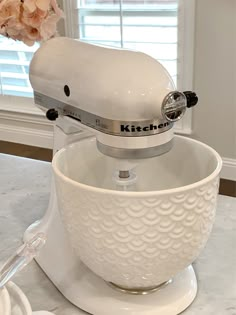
(92, 294)
(97, 298)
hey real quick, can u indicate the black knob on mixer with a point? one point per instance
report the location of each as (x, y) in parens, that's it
(52, 114)
(192, 98)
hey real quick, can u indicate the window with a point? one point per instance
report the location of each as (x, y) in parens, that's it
(150, 26)
(14, 67)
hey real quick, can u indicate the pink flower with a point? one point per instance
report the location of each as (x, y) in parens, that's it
(9, 10)
(30, 35)
(14, 28)
(49, 27)
(29, 20)
(34, 18)
(32, 5)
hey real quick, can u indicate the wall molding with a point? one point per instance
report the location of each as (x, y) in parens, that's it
(30, 128)
(229, 169)
(186, 48)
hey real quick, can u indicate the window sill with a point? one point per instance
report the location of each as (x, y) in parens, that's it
(22, 122)
(15, 104)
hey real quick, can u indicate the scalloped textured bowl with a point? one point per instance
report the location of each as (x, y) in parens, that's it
(141, 238)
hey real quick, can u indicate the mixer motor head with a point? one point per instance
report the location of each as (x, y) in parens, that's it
(126, 98)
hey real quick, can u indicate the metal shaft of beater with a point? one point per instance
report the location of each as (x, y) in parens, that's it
(124, 174)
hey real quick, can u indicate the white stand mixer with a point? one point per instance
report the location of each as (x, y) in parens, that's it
(128, 101)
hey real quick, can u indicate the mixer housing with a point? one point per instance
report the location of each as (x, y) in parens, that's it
(126, 98)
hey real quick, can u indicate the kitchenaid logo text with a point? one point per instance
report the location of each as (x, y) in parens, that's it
(151, 127)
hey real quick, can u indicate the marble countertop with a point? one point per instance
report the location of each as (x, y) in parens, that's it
(24, 195)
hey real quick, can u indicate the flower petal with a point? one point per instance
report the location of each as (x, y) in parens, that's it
(56, 9)
(28, 41)
(30, 5)
(49, 27)
(43, 4)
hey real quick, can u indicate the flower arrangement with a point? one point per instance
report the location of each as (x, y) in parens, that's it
(29, 20)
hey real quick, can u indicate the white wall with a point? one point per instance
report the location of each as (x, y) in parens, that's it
(214, 119)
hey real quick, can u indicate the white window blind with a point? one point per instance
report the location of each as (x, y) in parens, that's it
(150, 26)
(14, 67)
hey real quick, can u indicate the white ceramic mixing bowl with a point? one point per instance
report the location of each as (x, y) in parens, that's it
(142, 238)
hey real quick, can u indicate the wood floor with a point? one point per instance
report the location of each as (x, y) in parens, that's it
(227, 187)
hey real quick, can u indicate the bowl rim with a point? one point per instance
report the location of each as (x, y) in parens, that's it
(18, 295)
(5, 301)
(136, 194)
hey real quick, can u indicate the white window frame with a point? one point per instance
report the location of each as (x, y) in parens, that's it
(22, 122)
(186, 40)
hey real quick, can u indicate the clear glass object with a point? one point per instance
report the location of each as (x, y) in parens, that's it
(23, 256)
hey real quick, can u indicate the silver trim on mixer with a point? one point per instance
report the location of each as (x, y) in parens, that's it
(104, 125)
(141, 291)
(120, 153)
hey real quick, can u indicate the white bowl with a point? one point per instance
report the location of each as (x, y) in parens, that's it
(141, 238)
